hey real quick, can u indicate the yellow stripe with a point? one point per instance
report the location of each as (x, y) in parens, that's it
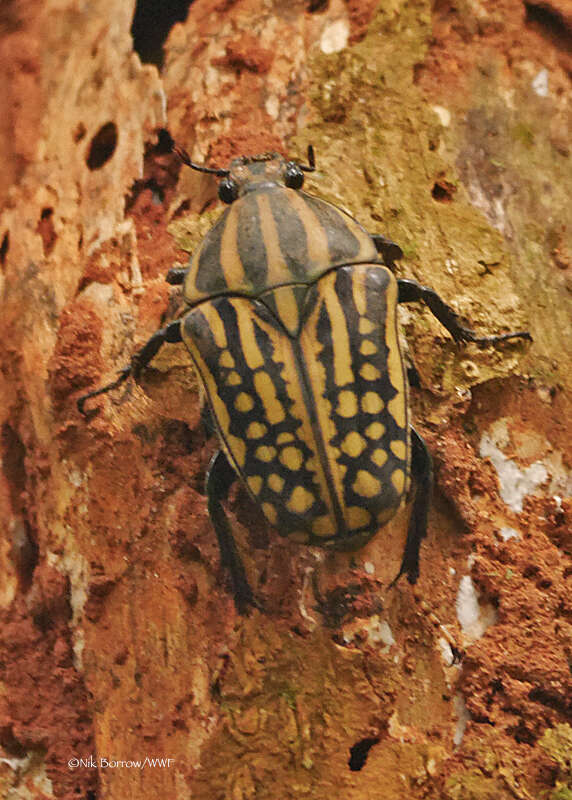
(266, 391)
(316, 238)
(367, 250)
(219, 335)
(359, 292)
(275, 263)
(394, 365)
(343, 373)
(231, 264)
(311, 350)
(287, 309)
(398, 406)
(250, 349)
(234, 447)
(278, 272)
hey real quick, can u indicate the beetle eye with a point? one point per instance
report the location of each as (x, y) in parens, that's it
(294, 177)
(228, 190)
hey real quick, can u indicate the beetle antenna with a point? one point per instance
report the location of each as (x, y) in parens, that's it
(186, 159)
(311, 166)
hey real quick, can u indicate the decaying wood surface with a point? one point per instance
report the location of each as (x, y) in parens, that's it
(446, 128)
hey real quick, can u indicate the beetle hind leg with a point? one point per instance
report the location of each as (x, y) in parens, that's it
(220, 477)
(422, 474)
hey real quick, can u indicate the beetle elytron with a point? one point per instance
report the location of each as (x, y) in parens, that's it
(291, 325)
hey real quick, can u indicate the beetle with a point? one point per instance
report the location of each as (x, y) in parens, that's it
(291, 324)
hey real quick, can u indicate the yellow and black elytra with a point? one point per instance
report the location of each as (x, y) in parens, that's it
(291, 325)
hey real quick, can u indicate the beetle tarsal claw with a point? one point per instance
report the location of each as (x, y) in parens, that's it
(109, 387)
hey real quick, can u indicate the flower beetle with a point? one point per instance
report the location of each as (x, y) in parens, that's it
(291, 326)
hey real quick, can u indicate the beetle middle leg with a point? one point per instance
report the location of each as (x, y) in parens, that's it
(390, 251)
(176, 275)
(422, 476)
(410, 291)
(170, 333)
(220, 477)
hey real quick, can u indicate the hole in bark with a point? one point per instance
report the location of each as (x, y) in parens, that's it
(24, 549)
(4, 247)
(14, 464)
(317, 5)
(550, 699)
(164, 142)
(9, 742)
(160, 171)
(151, 25)
(45, 228)
(360, 751)
(550, 23)
(102, 146)
(521, 734)
(79, 132)
(43, 620)
(443, 191)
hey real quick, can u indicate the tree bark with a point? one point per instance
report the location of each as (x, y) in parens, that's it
(445, 128)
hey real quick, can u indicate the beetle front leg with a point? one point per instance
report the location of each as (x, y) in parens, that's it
(410, 291)
(422, 476)
(220, 477)
(170, 333)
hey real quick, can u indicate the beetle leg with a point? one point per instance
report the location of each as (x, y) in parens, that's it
(410, 291)
(413, 378)
(422, 475)
(176, 276)
(220, 477)
(207, 420)
(386, 248)
(170, 333)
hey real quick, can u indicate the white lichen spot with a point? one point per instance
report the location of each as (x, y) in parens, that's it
(272, 106)
(211, 78)
(447, 656)
(540, 83)
(31, 776)
(373, 630)
(76, 477)
(306, 592)
(515, 483)
(470, 369)
(463, 717)
(508, 533)
(473, 617)
(397, 730)
(335, 36)
(99, 293)
(444, 115)
(544, 393)
(369, 568)
(380, 631)
(76, 568)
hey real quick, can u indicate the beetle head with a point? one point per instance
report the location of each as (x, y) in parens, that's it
(252, 173)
